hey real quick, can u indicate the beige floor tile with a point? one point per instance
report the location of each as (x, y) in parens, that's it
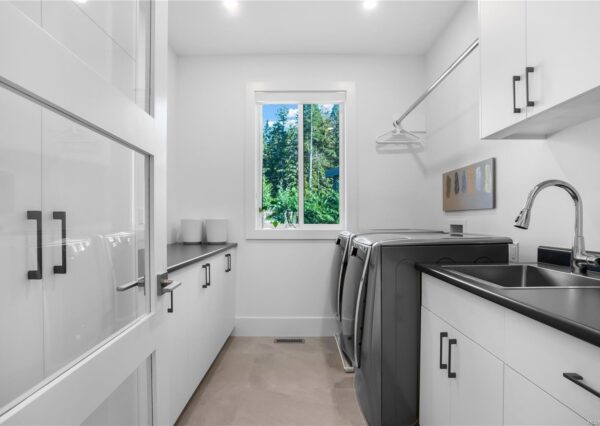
(256, 382)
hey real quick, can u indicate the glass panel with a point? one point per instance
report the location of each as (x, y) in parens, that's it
(110, 36)
(279, 165)
(130, 404)
(321, 141)
(21, 301)
(100, 187)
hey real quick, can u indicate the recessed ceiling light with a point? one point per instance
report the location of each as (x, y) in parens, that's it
(231, 5)
(369, 4)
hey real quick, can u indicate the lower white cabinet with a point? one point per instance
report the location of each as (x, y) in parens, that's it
(202, 319)
(509, 369)
(461, 383)
(527, 404)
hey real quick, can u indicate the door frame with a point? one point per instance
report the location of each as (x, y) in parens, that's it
(39, 67)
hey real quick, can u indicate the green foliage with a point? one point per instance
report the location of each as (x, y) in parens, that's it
(280, 166)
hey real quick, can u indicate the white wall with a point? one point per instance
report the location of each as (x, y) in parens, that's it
(284, 286)
(453, 141)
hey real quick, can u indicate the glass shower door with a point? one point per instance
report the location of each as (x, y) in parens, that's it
(94, 196)
(21, 291)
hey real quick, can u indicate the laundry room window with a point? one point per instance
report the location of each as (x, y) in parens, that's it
(300, 182)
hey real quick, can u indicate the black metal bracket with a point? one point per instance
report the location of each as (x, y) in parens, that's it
(62, 216)
(451, 374)
(578, 380)
(443, 335)
(514, 93)
(37, 216)
(528, 70)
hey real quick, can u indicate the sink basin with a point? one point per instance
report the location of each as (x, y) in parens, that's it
(526, 276)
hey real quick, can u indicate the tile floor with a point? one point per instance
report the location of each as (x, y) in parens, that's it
(255, 381)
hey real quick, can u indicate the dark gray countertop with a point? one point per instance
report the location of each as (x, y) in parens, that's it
(575, 311)
(182, 255)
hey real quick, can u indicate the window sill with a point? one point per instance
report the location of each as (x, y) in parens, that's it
(293, 234)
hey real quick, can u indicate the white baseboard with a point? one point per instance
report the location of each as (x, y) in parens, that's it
(285, 326)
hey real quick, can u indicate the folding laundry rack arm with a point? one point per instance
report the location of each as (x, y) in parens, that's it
(399, 135)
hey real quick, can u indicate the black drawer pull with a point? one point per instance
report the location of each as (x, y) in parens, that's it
(443, 335)
(228, 267)
(451, 374)
(578, 380)
(514, 81)
(62, 216)
(37, 216)
(527, 71)
(206, 282)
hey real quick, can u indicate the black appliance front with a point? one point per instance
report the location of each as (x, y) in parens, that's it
(387, 377)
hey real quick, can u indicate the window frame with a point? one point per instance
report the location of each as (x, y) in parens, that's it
(280, 94)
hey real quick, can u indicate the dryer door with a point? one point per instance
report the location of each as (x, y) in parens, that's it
(355, 271)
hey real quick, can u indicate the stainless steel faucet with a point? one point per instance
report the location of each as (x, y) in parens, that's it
(580, 259)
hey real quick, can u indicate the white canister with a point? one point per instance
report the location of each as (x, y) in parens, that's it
(191, 231)
(216, 231)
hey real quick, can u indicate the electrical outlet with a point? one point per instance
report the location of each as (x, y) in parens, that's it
(513, 252)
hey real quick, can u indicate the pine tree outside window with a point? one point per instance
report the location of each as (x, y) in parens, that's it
(300, 181)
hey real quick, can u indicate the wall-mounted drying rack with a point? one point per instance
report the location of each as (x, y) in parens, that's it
(401, 136)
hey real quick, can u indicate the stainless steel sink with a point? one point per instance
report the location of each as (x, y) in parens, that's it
(526, 276)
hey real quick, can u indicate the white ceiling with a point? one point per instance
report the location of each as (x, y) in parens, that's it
(201, 27)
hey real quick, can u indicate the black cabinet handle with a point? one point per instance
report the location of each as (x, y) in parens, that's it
(528, 70)
(514, 81)
(209, 275)
(37, 216)
(443, 335)
(578, 380)
(451, 374)
(206, 282)
(62, 216)
(228, 257)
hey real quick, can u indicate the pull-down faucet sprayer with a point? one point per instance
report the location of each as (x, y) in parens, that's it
(580, 259)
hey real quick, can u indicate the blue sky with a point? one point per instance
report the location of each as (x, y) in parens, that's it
(269, 111)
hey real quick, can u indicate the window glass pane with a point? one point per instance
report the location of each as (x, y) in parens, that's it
(279, 165)
(321, 163)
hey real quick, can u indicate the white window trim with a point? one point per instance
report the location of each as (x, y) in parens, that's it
(253, 162)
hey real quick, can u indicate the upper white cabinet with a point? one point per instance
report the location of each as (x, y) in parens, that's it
(503, 58)
(539, 72)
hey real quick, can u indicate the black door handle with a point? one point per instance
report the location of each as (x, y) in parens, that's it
(37, 216)
(206, 282)
(443, 335)
(451, 374)
(228, 258)
(578, 380)
(528, 70)
(514, 81)
(62, 216)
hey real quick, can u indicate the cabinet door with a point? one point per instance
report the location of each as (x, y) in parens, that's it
(476, 391)
(201, 322)
(179, 341)
(229, 299)
(502, 56)
(527, 404)
(93, 249)
(563, 41)
(21, 300)
(434, 402)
